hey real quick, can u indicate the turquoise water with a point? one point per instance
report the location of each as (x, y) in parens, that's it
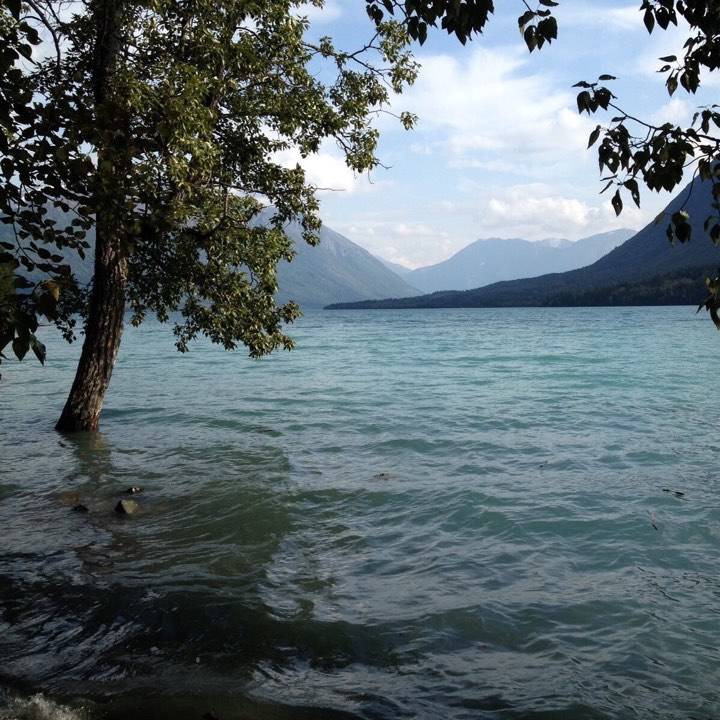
(418, 514)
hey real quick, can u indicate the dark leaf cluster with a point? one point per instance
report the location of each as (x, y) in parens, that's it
(462, 19)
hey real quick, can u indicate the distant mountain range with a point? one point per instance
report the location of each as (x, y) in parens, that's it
(491, 260)
(336, 270)
(397, 268)
(626, 274)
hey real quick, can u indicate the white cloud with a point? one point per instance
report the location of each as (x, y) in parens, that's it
(626, 17)
(412, 244)
(677, 111)
(487, 108)
(623, 18)
(536, 211)
(412, 230)
(533, 211)
(327, 13)
(547, 213)
(421, 148)
(328, 171)
(500, 150)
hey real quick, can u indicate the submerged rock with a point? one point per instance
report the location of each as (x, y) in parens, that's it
(69, 497)
(126, 507)
(80, 508)
(676, 493)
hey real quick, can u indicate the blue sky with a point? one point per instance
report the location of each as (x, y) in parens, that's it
(499, 149)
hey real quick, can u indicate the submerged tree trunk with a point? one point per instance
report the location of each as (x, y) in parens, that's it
(103, 333)
(103, 330)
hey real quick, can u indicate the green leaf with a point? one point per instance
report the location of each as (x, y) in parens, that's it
(548, 29)
(649, 20)
(422, 33)
(20, 346)
(584, 101)
(594, 135)
(683, 232)
(8, 167)
(603, 97)
(525, 18)
(531, 38)
(39, 349)
(632, 186)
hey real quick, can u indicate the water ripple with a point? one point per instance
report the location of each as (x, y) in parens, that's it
(460, 514)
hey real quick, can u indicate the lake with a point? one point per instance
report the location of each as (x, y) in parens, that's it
(487, 513)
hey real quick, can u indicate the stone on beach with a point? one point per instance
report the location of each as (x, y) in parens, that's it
(126, 507)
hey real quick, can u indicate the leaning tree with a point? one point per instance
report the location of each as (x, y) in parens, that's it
(159, 124)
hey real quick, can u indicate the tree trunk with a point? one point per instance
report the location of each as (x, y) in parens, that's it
(103, 333)
(104, 327)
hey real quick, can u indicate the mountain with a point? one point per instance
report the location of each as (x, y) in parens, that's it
(494, 259)
(646, 257)
(336, 270)
(397, 268)
(683, 287)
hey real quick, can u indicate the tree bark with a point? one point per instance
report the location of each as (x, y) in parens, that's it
(103, 330)
(103, 333)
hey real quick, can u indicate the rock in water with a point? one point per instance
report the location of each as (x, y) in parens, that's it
(80, 508)
(126, 507)
(134, 490)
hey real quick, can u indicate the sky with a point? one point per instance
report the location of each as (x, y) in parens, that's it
(499, 149)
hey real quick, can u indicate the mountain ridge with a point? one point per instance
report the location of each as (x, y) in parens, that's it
(646, 255)
(489, 260)
(336, 266)
(335, 270)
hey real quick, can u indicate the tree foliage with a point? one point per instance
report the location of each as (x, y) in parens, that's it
(464, 19)
(33, 144)
(178, 152)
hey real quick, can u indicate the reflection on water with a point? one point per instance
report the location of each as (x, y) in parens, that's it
(361, 530)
